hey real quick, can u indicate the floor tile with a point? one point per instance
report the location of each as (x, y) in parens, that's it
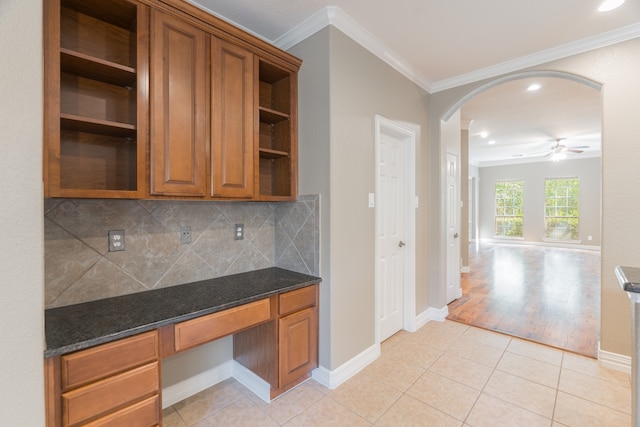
(293, 402)
(205, 403)
(446, 395)
(536, 351)
(241, 413)
(592, 367)
(327, 412)
(416, 352)
(393, 340)
(523, 393)
(476, 351)
(490, 411)
(170, 418)
(574, 411)
(394, 371)
(409, 412)
(487, 337)
(530, 369)
(593, 389)
(464, 371)
(366, 396)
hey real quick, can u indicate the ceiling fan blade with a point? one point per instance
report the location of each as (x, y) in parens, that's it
(573, 151)
(578, 146)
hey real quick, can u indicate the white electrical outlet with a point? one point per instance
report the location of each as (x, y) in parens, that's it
(116, 240)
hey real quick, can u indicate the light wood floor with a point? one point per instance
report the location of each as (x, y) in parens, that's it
(546, 295)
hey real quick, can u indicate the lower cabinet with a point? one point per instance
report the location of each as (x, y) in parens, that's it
(284, 351)
(114, 384)
(118, 383)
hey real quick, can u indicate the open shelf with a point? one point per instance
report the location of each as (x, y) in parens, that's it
(96, 126)
(80, 64)
(97, 147)
(268, 115)
(90, 161)
(266, 153)
(275, 106)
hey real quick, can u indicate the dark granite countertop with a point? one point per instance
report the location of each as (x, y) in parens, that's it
(79, 326)
(629, 278)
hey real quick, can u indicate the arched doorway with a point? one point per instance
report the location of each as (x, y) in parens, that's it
(525, 141)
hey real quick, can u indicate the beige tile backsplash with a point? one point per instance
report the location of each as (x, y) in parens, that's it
(79, 267)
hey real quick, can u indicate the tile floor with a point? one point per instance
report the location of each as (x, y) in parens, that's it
(445, 374)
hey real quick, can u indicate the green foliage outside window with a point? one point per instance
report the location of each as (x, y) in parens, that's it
(562, 210)
(508, 215)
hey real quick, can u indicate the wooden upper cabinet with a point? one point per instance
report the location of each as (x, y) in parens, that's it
(95, 98)
(232, 115)
(157, 98)
(178, 107)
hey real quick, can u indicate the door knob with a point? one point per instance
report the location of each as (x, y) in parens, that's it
(401, 244)
(455, 236)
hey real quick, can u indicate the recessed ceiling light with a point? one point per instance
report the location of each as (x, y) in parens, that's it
(484, 134)
(492, 142)
(533, 87)
(608, 5)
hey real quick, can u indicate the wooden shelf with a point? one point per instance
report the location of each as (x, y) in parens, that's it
(94, 68)
(266, 153)
(267, 115)
(102, 127)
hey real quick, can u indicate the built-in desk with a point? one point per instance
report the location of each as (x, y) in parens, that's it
(102, 359)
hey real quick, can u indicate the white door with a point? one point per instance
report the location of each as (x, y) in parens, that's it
(453, 228)
(390, 217)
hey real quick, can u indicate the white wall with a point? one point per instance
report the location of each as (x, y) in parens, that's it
(21, 214)
(534, 175)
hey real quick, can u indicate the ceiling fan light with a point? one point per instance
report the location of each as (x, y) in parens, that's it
(557, 156)
(608, 5)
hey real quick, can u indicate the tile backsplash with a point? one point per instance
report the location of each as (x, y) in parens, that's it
(79, 268)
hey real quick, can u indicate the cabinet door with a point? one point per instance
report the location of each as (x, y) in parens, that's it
(178, 107)
(298, 345)
(231, 120)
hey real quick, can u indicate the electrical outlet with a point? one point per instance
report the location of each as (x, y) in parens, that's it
(239, 232)
(185, 234)
(116, 240)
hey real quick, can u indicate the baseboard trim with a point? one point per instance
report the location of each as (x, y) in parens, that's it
(195, 384)
(334, 378)
(253, 382)
(544, 244)
(616, 361)
(431, 313)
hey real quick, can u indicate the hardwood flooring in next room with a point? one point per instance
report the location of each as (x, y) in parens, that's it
(547, 295)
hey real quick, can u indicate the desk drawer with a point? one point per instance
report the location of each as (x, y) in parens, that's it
(99, 398)
(299, 299)
(217, 325)
(104, 360)
(141, 414)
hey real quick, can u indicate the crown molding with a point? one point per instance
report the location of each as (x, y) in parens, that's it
(601, 40)
(332, 15)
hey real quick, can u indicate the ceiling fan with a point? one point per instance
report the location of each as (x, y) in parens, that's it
(557, 151)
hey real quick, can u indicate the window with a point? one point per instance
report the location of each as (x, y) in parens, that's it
(561, 212)
(509, 208)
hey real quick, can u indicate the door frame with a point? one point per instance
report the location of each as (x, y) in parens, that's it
(409, 134)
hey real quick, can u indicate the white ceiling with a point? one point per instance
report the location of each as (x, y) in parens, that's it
(440, 44)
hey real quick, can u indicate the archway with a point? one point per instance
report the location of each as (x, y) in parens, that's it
(544, 131)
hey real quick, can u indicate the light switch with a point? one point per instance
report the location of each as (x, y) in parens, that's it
(372, 200)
